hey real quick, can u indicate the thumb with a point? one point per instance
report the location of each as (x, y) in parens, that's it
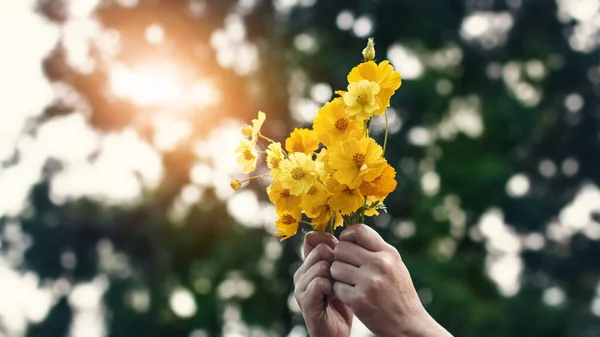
(365, 237)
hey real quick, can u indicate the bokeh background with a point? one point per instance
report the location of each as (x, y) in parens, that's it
(118, 121)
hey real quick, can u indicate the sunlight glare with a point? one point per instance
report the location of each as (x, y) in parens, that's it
(148, 84)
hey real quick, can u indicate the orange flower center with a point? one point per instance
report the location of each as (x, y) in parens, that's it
(362, 99)
(312, 190)
(297, 147)
(298, 173)
(287, 219)
(348, 190)
(248, 155)
(285, 194)
(275, 163)
(341, 124)
(358, 159)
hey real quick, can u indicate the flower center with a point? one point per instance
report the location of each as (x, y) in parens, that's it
(358, 159)
(298, 173)
(341, 124)
(297, 148)
(376, 180)
(248, 155)
(312, 190)
(275, 163)
(287, 219)
(285, 194)
(362, 99)
(347, 190)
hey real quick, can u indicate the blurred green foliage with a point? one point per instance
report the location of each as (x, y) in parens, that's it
(473, 171)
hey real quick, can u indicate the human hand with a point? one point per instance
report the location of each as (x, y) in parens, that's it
(313, 286)
(372, 280)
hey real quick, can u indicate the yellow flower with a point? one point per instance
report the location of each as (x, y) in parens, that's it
(282, 198)
(235, 184)
(361, 99)
(370, 201)
(333, 125)
(382, 185)
(274, 158)
(247, 157)
(287, 223)
(343, 199)
(356, 161)
(247, 131)
(315, 198)
(257, 124)
(369, 51)
(302, 140)
(323, 217)
(322, 167)
(383, 74)
(297, 173)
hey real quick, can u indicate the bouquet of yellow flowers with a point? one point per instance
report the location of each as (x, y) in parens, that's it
(334, 174)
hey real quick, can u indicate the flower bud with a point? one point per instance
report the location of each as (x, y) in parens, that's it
(369, 51)
(235, 184)
(247, 131)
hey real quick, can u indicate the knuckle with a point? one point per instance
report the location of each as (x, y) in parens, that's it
(323, 267)
(374, 284)
(383, 264)
(320, 250)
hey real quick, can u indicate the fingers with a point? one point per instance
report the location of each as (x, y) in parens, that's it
(345, 292)
(313, 239)
(351, 253)
(343, 272)
(365, 237)
(319, 269)
(322, 252)
(316, 290)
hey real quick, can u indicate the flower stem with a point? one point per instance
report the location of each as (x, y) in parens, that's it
(250, 178)
(266, 138)
(386, 132)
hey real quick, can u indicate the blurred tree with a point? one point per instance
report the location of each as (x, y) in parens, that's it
(497, 123)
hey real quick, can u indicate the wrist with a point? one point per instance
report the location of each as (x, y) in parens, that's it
(420, 324)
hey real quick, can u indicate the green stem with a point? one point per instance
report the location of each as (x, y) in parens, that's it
(266, 138)
(259, 176)
(386, 132)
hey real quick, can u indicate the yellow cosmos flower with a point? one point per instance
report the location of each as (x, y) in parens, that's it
(323, 217)
(370, 201)
(247, 131)
(322, 167)
(297, 173)
(274, 157)
(282, 198)
(356, 161)
(287, 223)
(383, 74)
(361, 99)
(235, 184)
(315, 198)
(257, 124)
(333, 125)
(302, 140)
(369, 51)
(248, 155)
(382, 185)
(343, 199)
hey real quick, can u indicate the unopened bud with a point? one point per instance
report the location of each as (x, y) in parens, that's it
(235, 184)
(247, 131)
(369, 51)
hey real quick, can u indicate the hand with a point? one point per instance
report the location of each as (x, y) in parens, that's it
(372, 279)
(313, 286)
